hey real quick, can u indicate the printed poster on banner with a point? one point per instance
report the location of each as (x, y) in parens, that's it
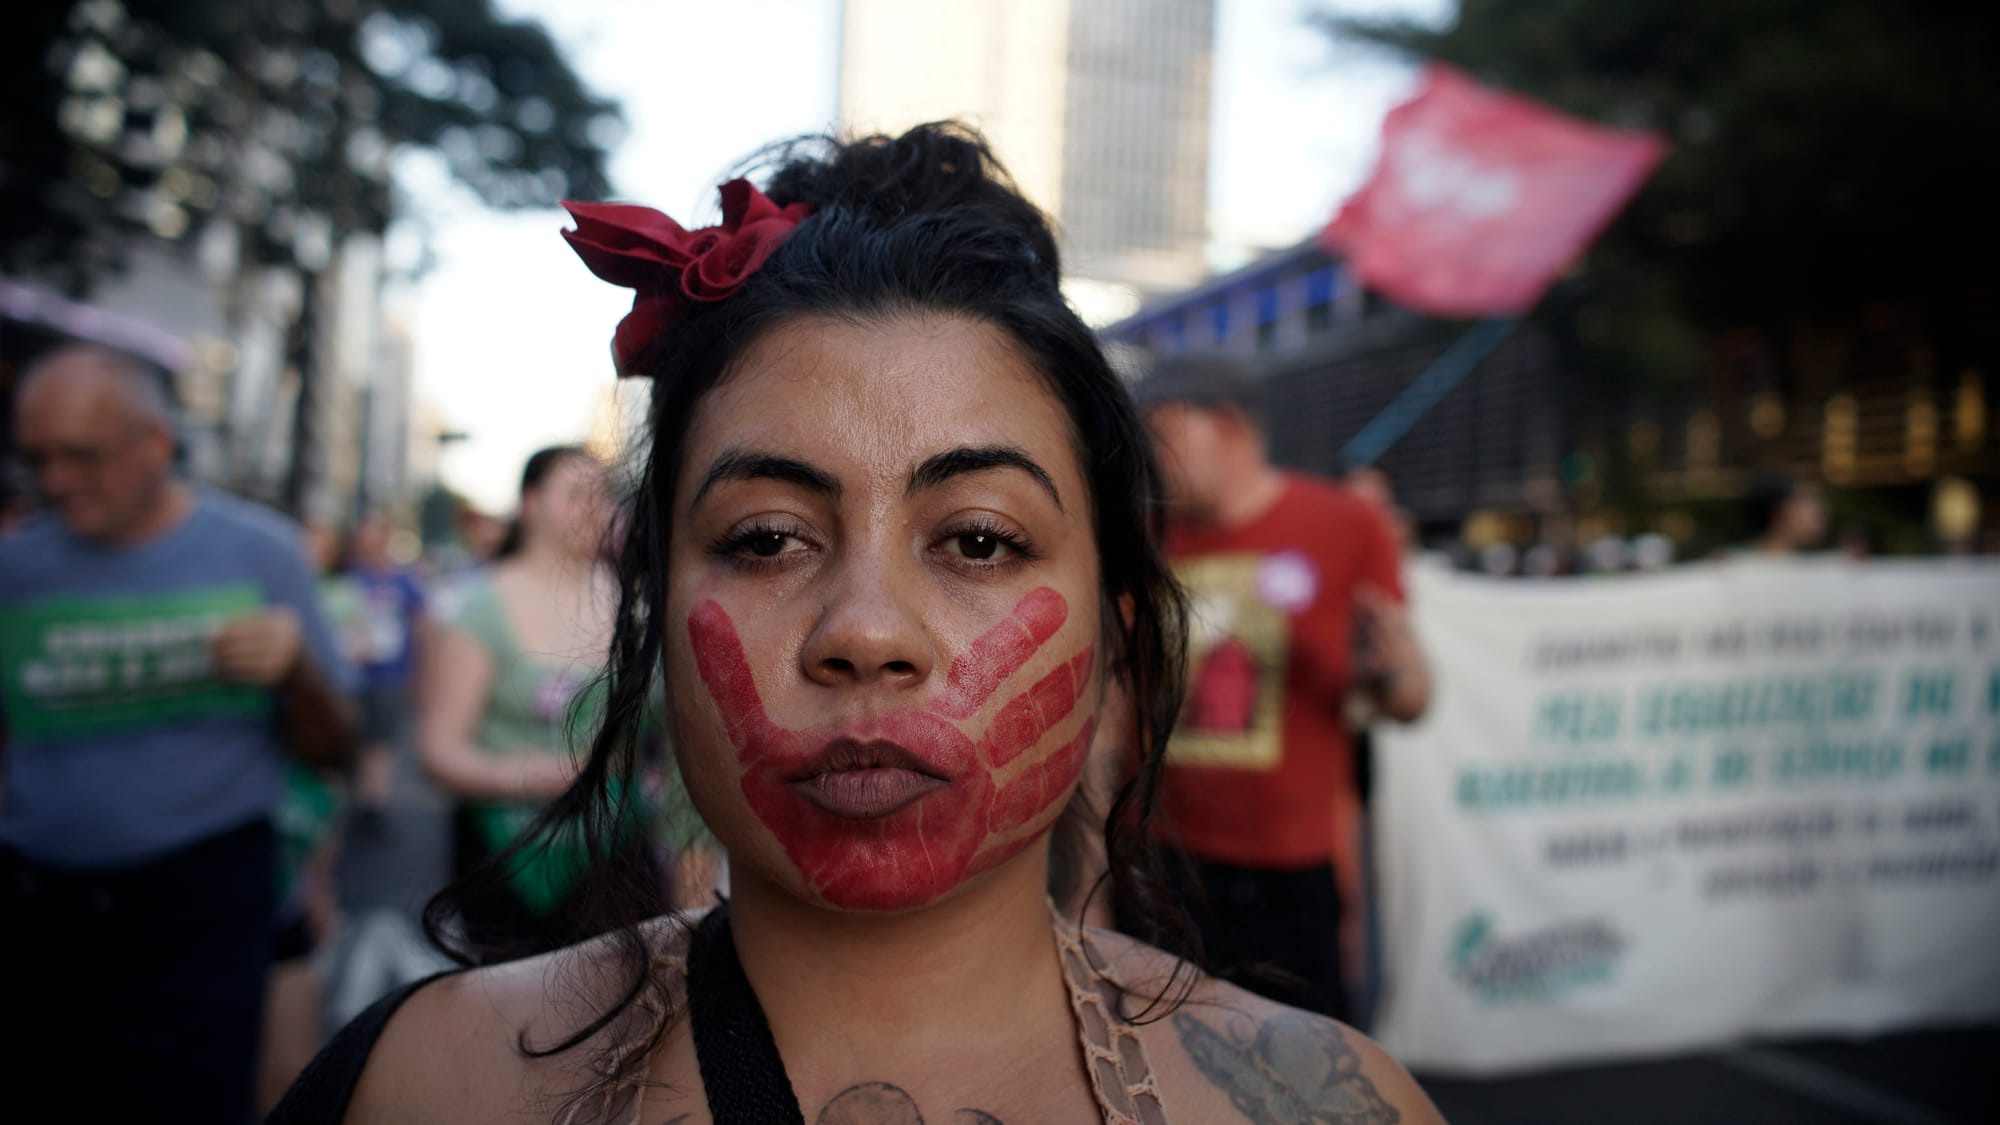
(1652, 814)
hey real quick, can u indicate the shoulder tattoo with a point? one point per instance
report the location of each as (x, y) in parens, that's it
(1290, 1070)
(879, 1103)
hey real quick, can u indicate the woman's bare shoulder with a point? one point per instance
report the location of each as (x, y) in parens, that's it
(454, 1050)
(1225, 1054)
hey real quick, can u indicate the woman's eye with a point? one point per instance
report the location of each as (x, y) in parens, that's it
(767, 544)
(986, 546)
(980, 545)
(759, 543)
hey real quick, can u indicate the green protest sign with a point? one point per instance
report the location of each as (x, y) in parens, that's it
(77, 667)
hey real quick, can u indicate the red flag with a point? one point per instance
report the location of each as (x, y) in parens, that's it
(1480, 198)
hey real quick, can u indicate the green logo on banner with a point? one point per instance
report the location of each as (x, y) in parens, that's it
(77, 667)
(1541, 965)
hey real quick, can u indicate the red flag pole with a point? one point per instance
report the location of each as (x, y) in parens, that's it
(1426, 391)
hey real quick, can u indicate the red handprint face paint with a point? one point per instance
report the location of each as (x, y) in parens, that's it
(891, 813)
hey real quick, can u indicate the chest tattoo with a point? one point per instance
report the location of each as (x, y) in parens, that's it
(879, 1103)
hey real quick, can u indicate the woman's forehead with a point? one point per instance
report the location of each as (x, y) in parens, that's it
(875, 396)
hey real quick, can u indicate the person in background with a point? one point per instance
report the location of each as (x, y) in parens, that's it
(1500, 559)
(505, 695)
(1651, 552)
(1361, 927)
(390, 625)
(307, 826)
(1788, 516)
(1373, 485)
(1543, 560)
(165, 660)
(1856, 544)
(483, 534)
(1296, 602)
(453, 567)
(694, 869)
(17, 498)
(1607, 554)
(339, 597)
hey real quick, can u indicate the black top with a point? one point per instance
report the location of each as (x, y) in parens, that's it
(741, 1070)
(323, 1089)
(740, 1067)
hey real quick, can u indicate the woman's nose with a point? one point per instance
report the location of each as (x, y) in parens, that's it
(871, 631)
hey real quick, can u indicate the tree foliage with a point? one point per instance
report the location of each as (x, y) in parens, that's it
(280, 117)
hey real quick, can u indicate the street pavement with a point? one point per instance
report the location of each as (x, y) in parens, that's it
(388, 868)
(1940, 1077)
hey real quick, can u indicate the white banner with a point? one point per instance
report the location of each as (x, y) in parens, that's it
(1653, 813)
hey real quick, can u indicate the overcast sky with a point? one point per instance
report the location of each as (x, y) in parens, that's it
(512, 334)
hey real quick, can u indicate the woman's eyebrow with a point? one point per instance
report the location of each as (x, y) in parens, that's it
(743, 464)
(977, 458)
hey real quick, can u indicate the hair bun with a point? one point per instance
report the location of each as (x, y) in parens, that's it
(937, 167)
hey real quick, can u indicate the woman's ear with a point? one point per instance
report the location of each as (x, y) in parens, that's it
(1127, 611)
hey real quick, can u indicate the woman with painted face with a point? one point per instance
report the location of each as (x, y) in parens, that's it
(891, 555)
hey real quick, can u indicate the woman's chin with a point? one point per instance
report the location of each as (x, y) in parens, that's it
(878, 888)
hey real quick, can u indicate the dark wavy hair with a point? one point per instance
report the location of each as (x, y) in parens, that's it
(924, 223)
(540, 464)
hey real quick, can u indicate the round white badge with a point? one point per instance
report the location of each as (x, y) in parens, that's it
(1287, 581)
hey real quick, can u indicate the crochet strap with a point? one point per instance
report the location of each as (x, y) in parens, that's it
(1121, 1076)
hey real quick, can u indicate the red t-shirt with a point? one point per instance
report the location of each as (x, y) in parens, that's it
(1260, 764)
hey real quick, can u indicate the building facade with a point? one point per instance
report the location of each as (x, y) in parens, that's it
(304, 406)
(1334, 357)
(1888, 408)
(1099, 109)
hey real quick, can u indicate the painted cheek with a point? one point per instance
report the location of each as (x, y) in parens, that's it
(1028, 716)
(920, 852)
(1040, 786)
(725, 671)
(1000, 652)
(1025, 801)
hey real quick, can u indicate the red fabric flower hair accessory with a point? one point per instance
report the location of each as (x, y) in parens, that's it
(668, 265)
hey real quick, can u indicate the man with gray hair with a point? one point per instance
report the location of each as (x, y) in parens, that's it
(161, 653)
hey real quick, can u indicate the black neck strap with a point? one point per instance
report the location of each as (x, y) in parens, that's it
(740, 1068)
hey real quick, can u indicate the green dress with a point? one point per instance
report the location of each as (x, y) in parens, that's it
(536, 704)
(547, 705)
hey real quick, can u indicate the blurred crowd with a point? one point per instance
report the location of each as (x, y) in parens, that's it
(155, 624)
(1781, 515)
(470, 664)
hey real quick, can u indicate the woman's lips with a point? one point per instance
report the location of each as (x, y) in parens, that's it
(866, 794)
(865, 780)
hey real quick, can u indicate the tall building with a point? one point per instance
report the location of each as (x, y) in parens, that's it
(1099, 108)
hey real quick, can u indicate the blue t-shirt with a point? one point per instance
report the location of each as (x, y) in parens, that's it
(391, 602)
(122, 744)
